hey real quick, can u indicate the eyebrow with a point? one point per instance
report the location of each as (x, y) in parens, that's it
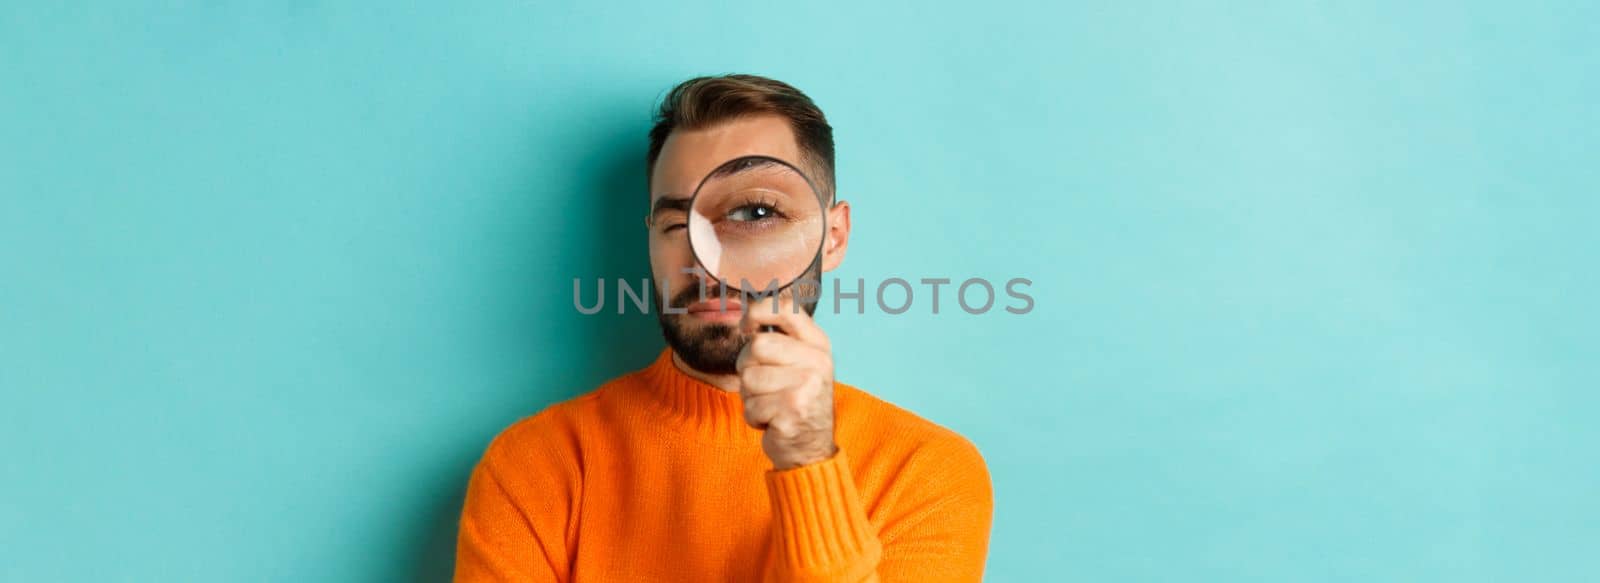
(759, 162)
(744, 165)
(681, 203)
(669, 203)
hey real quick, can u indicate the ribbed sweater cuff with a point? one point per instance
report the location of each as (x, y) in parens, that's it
(820, 531)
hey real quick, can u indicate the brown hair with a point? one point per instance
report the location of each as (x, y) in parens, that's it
(702, 102)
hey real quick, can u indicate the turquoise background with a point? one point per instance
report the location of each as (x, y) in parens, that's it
(1315, 281)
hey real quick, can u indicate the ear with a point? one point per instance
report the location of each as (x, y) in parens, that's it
(838, 236)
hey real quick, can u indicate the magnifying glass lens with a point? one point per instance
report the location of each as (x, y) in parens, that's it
(755, 223)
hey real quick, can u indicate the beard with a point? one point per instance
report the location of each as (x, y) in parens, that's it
(711, 347)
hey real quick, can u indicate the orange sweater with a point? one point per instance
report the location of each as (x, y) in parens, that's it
(655, 477)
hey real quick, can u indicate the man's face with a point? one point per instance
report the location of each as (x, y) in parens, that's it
(707, 337)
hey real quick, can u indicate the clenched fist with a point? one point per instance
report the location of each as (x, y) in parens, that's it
(786, 381)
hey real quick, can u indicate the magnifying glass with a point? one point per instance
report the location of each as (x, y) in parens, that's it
(756, 224)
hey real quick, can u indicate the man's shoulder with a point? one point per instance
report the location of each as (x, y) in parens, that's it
(555, 425)
(567, 416)
(868, 419)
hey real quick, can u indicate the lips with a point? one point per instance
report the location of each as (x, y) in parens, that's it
(716, 306)
(723, 310)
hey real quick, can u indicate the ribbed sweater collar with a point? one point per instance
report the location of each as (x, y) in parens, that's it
(699, 406)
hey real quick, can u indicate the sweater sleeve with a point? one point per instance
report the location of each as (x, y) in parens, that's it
(939, 531)
(519, 501)
(820, 532)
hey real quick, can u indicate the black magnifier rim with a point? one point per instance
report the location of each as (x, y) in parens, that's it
(821, 205)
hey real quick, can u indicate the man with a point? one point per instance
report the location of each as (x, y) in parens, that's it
(735, 456)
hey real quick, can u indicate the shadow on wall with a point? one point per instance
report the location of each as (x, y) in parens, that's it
(608, 206)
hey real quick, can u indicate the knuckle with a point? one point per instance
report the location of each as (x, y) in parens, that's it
(760, 345)
(794, 400)
(811, 382)
(783, 425)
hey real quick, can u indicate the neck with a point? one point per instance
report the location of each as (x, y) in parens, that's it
(726, 382)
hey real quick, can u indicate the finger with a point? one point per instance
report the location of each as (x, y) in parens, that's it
(757, 381)
(782, 312)
(781, 350)
(759, 410)
(755, 307)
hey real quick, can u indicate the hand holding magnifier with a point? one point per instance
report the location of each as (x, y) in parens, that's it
(756, 225)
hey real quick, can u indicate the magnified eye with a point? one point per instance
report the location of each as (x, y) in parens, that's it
(753, 212)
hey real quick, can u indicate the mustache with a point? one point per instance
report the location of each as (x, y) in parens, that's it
(696, 293)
